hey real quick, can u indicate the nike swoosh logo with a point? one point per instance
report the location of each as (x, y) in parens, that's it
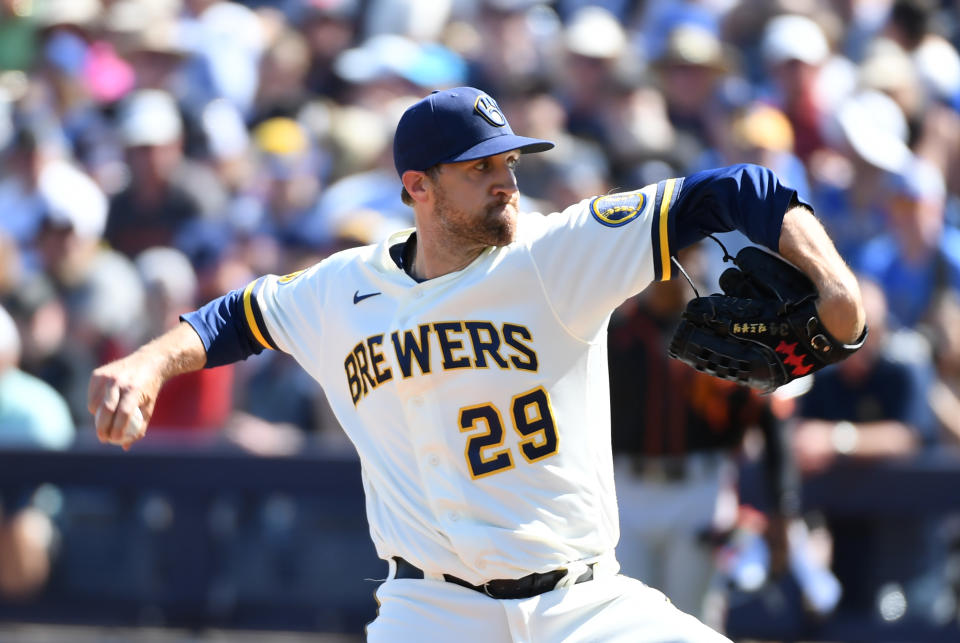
(357, 297)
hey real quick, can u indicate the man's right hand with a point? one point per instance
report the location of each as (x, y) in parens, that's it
(121, 397)
(122, 394)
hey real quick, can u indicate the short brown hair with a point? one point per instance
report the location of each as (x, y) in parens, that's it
(432, 172)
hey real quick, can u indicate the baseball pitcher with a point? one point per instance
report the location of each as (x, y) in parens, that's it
(466, 360)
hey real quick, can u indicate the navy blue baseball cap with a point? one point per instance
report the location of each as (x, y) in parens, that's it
(459, 124)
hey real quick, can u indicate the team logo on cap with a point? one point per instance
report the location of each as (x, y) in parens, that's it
(615, 210)
(488, 108)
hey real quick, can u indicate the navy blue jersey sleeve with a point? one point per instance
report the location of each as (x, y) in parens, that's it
(745, 197)
(231, 327)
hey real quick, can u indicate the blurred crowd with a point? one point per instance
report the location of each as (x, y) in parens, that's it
(158, 153)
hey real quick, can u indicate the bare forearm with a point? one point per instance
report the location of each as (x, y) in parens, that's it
(804, 243)
(177, 351)
(123, 391)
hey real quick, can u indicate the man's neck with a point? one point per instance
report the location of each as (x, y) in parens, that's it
(433, 255)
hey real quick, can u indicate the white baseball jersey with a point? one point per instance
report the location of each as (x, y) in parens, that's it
(478, 400)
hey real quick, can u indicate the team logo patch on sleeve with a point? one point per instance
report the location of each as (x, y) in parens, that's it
(615, 210)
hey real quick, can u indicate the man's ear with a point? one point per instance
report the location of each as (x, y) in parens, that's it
(416, 184)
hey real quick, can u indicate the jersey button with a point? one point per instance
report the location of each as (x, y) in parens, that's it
(454, 516)
(434, 460)
(417, 401)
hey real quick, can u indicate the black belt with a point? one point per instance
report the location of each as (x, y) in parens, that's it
(530, 585)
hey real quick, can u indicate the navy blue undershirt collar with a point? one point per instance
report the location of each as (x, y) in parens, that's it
(402, 255)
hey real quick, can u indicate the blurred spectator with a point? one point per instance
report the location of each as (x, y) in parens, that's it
(274, 175)
(758, 133)
(933, 126)
(690, 70)
(361, 135)
(876, 396)
(42, 321)
(73, 213)
(329, 27)
(77, 292)
(283, 89)
(170, 288)
(27, 540)
(872, 407)
(610, 104)
(75, 71)
(808, 79)
(147, 34)
(263, 427)
(851, 180)
(933, 64)
(228, 149)
(226, 40)
(754, 133)
(97, 287)
(919, 257)
(911, 24)
(32, 415)
(166, 190)
(18, 35)
(31, 152)
(659, 18)
(594, 43)
(858, 23)
(197, 403)
(388, 66)
(511, 45)
(421, 20)
(290, 166)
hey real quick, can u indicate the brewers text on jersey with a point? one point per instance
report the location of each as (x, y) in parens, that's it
(459, 344)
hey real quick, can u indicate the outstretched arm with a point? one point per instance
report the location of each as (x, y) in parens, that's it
(223, 331)
(119, 389)
(805, 244)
